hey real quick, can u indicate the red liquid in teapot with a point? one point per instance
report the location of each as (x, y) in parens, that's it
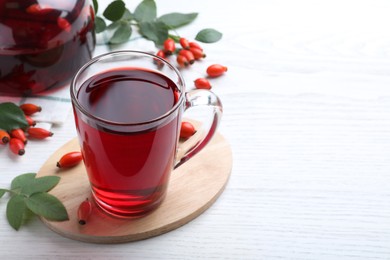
(128, 171)
(43, 43)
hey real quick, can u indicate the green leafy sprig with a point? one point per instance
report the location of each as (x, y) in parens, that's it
(29, 196)
(118, 19)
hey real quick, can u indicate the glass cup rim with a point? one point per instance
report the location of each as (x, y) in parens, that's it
(96, 59)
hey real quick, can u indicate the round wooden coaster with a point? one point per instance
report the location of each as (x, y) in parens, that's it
(193, 188)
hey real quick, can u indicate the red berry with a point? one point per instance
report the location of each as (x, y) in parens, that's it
(195, 45)
(189, 56)
(176, 95)
(216, 70)
(161, 54)
(19, 134)
(29, 109)
(202, 83)
(184, 43)
(30, 121)
(69, 160)
(4, 137)
(182, 61)
(38, 133)
(38, 9)
(187, 130)
(84, 212)
(169, 46)
(34, 9)
(64, 24)
(198, 53)
(16, 146)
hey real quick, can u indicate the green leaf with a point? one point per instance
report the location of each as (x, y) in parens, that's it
(2, 192)
(16, 208)
(100, 24)
(154, 31)
(115, 10)
(95, 6)
(41, 184)
(208, 36)
(127, 15)
(114, 25)
(22, 180)
(11, 117)
(146, 11)
(175, 20)
(47, 206)
(122, 34)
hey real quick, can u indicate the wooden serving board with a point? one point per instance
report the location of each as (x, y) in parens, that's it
(193, 188)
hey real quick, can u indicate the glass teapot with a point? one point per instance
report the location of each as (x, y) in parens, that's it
(43, 43)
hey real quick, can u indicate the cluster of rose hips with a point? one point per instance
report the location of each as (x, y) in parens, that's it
(17, 138)
(187, 53)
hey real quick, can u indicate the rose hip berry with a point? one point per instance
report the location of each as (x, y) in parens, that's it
(29, 109)
(189, 56)
(4, 137)
(169, 46)
(69, 160)
(195, 45)
(19, 134)
(216, 70)
(34, 9)
(176, 95)
(202, 83)
(184, 43)
(161, 54)
(38, 9)
(30, 121)
(84, 212)
(182, 61)
(16, 146)
(64, 24)
(187, 130)
(198, 53)
(38, 133)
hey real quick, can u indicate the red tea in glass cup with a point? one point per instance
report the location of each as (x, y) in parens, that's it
(128, 113)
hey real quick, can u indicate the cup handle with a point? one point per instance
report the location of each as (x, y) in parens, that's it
(201, 97)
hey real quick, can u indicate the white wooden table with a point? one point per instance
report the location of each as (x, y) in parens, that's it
(307, 113)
